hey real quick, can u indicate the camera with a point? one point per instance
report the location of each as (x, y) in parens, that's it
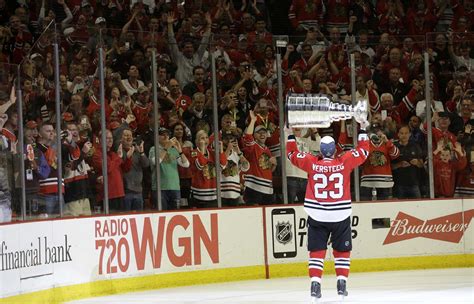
(137, 141)
(64, 134)
(375, 138)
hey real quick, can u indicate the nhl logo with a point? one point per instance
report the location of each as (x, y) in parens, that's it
(283, 232)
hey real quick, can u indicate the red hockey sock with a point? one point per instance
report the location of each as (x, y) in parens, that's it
(342, 263)
(316, 264)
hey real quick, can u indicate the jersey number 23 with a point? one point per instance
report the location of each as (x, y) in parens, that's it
(321, 189)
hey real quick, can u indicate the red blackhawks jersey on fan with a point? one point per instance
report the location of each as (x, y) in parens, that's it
(259, 175)
(377, 171)
(203, 181)
(328, 192)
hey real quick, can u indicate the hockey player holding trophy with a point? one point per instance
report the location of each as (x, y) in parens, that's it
(328, 195)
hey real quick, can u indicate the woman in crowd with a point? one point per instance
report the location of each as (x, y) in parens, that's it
(171, 156)
(185, 174)
(203, 161)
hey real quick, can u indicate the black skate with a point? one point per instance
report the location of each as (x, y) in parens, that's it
(315, 291)
(341, 288)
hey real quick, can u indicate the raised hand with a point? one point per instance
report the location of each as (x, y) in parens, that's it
(69, 136)
(87, 147)
(13, 95)
(14, 147)
(120, 151)
(416, 85)
(170, 18)
(130, 118)
(175, 143)
(370, 84)
(229, 149)
(440, 145)
(202, 145)
(235, 146)
(130, 152)
(253, 117)
(208, 18)
(128, 102)
(290, 48)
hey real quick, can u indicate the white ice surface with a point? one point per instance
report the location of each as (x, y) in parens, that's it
(420, 286)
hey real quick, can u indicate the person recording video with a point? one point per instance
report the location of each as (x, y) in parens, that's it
(377, 179)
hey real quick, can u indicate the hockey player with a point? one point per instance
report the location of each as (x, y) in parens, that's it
(328, 204)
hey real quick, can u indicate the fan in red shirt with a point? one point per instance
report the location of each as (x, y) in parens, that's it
(182, 102)
(259, 39)
(445, 168)
(441, 132)
(142, 108)
(117, 165)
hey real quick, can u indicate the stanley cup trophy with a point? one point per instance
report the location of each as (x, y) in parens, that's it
(318, 111)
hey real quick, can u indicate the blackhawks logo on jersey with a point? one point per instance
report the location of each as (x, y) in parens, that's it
(377, 159)
(209, 171)
(310, 7)
(264, 162)
(231, 169)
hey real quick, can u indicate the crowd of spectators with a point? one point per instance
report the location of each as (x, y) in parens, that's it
(387, 38)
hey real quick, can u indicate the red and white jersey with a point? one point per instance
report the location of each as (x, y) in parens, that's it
(328, 192)
(259, 176)
(203, 180)
(377, 171)
(337, 14)
(305, 12)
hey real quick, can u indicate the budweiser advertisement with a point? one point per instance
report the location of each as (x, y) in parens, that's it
(448, 228)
